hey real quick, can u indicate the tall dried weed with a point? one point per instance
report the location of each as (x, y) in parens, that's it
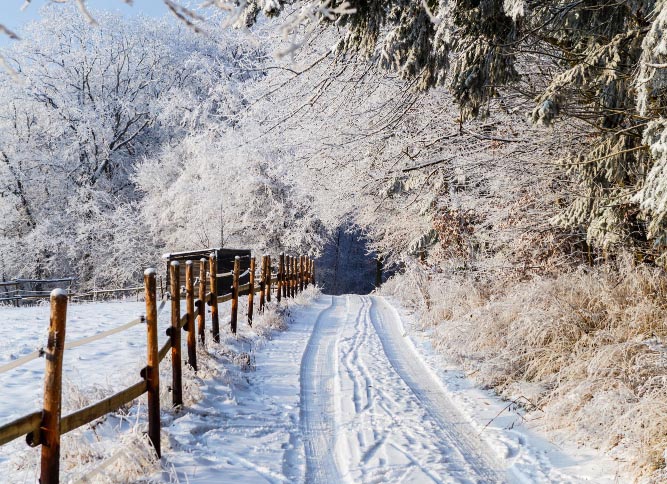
(588, 347)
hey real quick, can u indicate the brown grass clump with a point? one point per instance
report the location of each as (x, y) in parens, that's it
(589, 347)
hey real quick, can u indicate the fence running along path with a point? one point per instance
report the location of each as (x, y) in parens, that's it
(46, 426)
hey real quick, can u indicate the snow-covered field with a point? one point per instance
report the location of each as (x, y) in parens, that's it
(111, 363)
(344, 395)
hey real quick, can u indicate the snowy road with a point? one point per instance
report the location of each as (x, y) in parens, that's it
(371, 411)
(344, 396)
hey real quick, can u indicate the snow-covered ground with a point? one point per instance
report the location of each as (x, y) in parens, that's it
(108, 364)
(347, 394)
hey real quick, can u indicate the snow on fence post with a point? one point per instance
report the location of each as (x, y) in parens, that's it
(174, 333)
(152, 370)
(281, 267)
(50, 425)
(201, 329)
(262, 285)
(268, 278)
(251, 294)
(213, 274)
(190, 309)
(235, 293)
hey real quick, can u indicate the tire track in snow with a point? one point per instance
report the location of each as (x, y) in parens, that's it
(318, 374)
(473, 453)
(371, 411)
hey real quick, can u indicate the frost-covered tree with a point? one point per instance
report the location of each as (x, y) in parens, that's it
(598, 64)
(399, 165)
(218, 188)
(86, 104)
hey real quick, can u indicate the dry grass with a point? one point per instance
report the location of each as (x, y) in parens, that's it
(589, 347)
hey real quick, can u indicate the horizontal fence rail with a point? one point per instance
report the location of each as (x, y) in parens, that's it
(291, 276)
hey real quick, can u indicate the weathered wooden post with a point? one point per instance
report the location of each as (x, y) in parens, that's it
(294, 276)
(262, 285)
(286, 278)
(201, 329)
(174, 333)
(307, 272)
(161, 289)
(291, 276)
(268, 278)
(297, 275)
(286, 291)
(302, 271)
(152, 370)
(53, 378)
(251, 294)
(281, 268)
(235, 293)
(190, 309)
(213, 274)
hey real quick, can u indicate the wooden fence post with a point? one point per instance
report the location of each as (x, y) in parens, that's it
(53, 377)
(202, 301)
(297, 276)
(281, 268)
(290, 265)
(312, 272)
(251, 294)
(286, 278)
(286, 282)
(302, 271)
(235, 293)
(213, 275)
(190, 308)
(152, 374)
(294, 276)
(175, 334)
(306, 272)
(262, 285)
(268, 278)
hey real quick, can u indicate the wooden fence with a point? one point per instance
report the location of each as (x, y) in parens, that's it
(22, 291)
(30, 290)
(292, 275)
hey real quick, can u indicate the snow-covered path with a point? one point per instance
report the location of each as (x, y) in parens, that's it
(344, 396)
(370, 410)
